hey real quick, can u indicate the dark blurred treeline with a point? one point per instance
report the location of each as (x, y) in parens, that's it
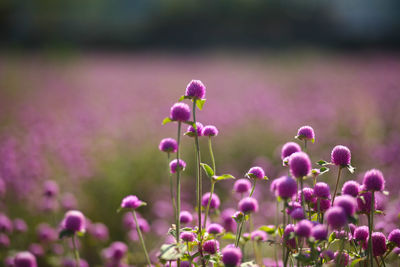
(131, 24)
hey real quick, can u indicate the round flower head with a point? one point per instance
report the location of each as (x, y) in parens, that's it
(227, 221)
(287, 187)
(185, 217)
(99, 231)
(341, 156)
(4, 241)
(192, 131)
(20, 225)
(131, 202)
(215, 228)
(46, 233)
(322, 190)
(242, 186)
(374, 180)
(74, 221)
(274, 186)
(9, 262)
(378, 244)
(319, 232)
(173, 165)
(68, 201)
(195, 89)
(299, 164)
(361, 233)
(209, 130)
(327, 255)
(324, 204)
(5, 224)
(168, 145)
(36, 249)
(50, 188)
(2, 188)
(214, 203)
(336, 217)
(25, 259)
(308, 195)
(348, 203)
(303, 228)
(116, 251)
(188, 236)
(306, 133)
(364, 202)
(351, 188)
(259, 235)
(231, 256)
(342, 259)
(297, 214)
(211, 246)
(394, 237)
(248, 205)
(289, 148)
(256, 172)
(290, 241)
(292, 205)
(180, 112)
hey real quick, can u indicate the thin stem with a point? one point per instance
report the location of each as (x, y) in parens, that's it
(276, 227)
(212, 155)
(76, 252)
(284, 255)
(302, 194)
(305, 145)
(171, 187)
(336, 187)
(238, 233)
(383, 261)
(318, 209)
(209, 203)
(253, 187)
(369, 248)
(371, 226)
(178, 189)
(141, 239)
(255, 244)
(377, 262)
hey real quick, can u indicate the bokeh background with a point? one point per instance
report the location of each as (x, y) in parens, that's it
(84, 86)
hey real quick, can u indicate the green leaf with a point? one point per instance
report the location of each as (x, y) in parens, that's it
(332, 237)
(351, 168)
(191, 123)
(280, 231)
(354, 262)
(270, 229)
(182, 98)
(265, 178)
(209, 171)
(323, 170)
(322, 163)
(190, 134)
(65, 233)
(166, 120)
(229, 236)
(223, 177)
(379, 212)
(313, 140)
(170, 252)
(200, 103)
(252, 176)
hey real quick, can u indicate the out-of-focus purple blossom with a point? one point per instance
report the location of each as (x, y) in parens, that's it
(248, 205)
(286, 187)
(394, 237)
(319, 232)
(342, 259)
(289, 148)
(180, 112)
(25, 259)
(6, 225)
(4, 241)
(75, 221)
(50, 188)
(351, 188)
(68, 201)
(341, 156)
(46, 233)
(214, 203)
(231, 256)
(69, 262)
(116, 251)
(256, 172)
(57, 249)
(199, 127)
(336, 217)
(185, 217)
(361, 233)
(2, 188)
(364, 202)
(36, 249)
(328, 255)
(209, 130)
(292, 205)
(173, 165)
(299, 164)
(303, 228)
(168, 145)
(374, 180)
(297, 214)
(99, 231)
(322, 190)
(195, 89)
(131, 202)
(227, 221)
(290, 240)
(259, 235)
(324, 204)
(9, 261)
(378, 244)
(211, 246)
(215, 228)
(20, 225)
(308, 195)
(242, 186)
(348, 203)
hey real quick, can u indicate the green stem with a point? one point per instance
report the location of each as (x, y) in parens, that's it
(318, 209)
(209, 203)
(305, 145)
(239, 233)
(255, 244)
(178, 189)
(371, 227)
(276, 239)
(336, 187)
(302, 194)
(253, 187)
(171, 188)
(141, 238)
(76, 252)
(284, 255)
(212, 155)
(383, 261)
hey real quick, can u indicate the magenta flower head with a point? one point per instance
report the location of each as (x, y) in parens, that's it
(306, 133)
(74, 221)
(297, 214)
(192, 132)
(242, 186)
(336, 217)
(341, 156)
(168, 145)
(4, 241)
(322, 190)
(215, 229)
(394, 237)
(131, 202)
(211, 246)
(374, 180)
(180, 112)
(327, 255)
(25, 259)
(256, 173)
(214, 203)
(46, 233)
(248, 205)
(188, 236)
(209, 130)
(378, 244)
(259, 235)
(50, 188)
(20, 225)
(351, 188)
(173, 165)
(341, 259)
(319, 232)
(290, 241)
(231, 256)
(227, 221)
(289, 148)
(364, 202)
(299, 164)
(99, 231)
(292, 205)
(308, 195)
(116, 251)
(195, 89)
(286, 187)
(303, 228)
(348, 203)
(185, 217)
(6, 225)
(361, 233)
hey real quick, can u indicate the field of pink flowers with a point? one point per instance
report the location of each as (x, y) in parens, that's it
(82, 132)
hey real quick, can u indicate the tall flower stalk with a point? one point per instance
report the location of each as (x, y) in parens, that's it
(213, 181)
(141, 239)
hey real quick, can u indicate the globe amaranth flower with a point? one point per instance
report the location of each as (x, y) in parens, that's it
(336, 217)
(6, 225)
(286, 187)
(289, 148)
(131, 202)
(374, 180)
(227, 221)
(4, 241)
(231, 256)
(303, 228)
(192, 132)
(348, 203)
(188, 236)
(256, 172)
(274, 186)
(185, 217)
(20, 225)
(116, 251)
(342, 259)
(173, 165)
(319, 232)
(248, 205)
(341, 156)
(361, 233)
(99, 231)
(68, 201)
(351, 188)
(215, 228)
(46, 233)
(209, 130)
(211, 246)
(25, 259)
(180, 112)
(214, 203)
(74, 221)
(195, 89)
(394, 237)
(70, 262)
(299, 164)
(36, 249)
(50, 188)
(378, 244)
(290, 241)
(242, 186)
(259, 235)
(308, 195)
(324, 204)
(364, 202)
(292, 205)
(168, 145)
(297, 214)
(322, 190)
(306, 133)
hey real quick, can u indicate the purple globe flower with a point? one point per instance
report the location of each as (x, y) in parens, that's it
(68, 201)
(327, 255)
(185, 217)
(361, 233)
(287, 187)
(364, 202)
(289, 148)
(36, 249)
(274, 186)
(322, 190)
(173, 165)
(46, 233)
(248, 205)
(9, 262)
(188, 236)
(290, 241)
(259, 235)
(4, 241)
(215, 229)
(306, 133)
(374, 180)
(5, 224)
(209, 130)
(341, 156)
(20, 225)
(2, 188)
(25, 259)
(227, 221)
(297, 214)
(116, 251)
(351, 188)
(211, 246)
(336, 217)
(131, 202)
(74, 221)
(231, 256)
(348, 203)
(195, 89)
(319, 232)
(292, 205)
(192, 131)
(299, 164)
(308, 195)
(256, 172)
(168, 145)
(324, 204)
(342, 259)
(99, 231)
(394, 237)
(242, 186)
(214, 203)
(50, 188)
(180, 112)
(303, 228)
(378, 244)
